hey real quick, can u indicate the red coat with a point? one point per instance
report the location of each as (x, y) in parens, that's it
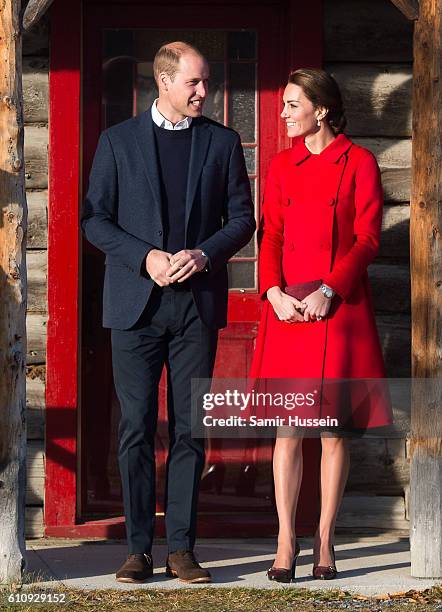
(322, 219)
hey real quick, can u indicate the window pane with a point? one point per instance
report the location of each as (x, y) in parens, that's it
(241, 275)
(146, 88)
(250, 157)
(242, 100)
(248, 250)
(118, 42)
(241, 45)
(118, 89)
(253, 190)
(214, 104)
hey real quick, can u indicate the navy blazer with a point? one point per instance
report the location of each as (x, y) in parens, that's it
(122, 214)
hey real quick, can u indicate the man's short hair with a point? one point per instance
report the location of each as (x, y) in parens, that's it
(168, 56)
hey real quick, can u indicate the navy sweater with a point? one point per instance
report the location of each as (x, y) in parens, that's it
(173, 147)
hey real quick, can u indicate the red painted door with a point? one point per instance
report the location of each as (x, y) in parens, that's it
(244, 46)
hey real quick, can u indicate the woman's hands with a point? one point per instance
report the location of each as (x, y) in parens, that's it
(287, 308)
(316, 306)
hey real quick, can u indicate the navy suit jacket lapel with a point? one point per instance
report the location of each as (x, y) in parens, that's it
(145, 139)
(201, 135)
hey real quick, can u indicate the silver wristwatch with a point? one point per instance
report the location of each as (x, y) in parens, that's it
(327, 291)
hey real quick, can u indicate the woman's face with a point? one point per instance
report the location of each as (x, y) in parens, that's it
(300, 115)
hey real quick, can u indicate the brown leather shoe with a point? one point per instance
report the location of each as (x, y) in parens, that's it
(138, 567)
(183, 565)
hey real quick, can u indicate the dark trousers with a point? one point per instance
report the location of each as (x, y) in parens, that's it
(169, 332)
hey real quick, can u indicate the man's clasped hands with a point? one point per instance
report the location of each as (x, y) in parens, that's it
(165, 268)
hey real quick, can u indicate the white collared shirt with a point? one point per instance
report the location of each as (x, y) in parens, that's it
(162, 122)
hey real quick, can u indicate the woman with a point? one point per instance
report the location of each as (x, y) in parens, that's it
(322, 218)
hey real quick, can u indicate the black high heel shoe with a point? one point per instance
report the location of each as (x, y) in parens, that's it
(281, 574)
(326, 572)
(214, 478)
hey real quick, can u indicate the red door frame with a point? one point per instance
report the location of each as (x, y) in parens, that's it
(304, 33)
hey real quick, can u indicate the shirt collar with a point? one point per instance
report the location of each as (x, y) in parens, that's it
(331, 153)
(162, 122)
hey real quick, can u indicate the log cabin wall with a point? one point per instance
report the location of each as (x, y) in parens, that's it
(36, 102)
(368, 47)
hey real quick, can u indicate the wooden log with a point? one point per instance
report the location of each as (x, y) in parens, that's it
(36, 40)
(390, 152)
(34, 12)
(395, 237)
(366, 30)
(390, 286)
(409, 8)
(35, 469)
(372, 512)
(36, 157)
(426, 290)
(36, 330)
(36, 89)
(378, 466)
(376, 98)
(12, 301)
(395, 336)
(396, 183)
(37, 281)
(37, 237)
(34, 522)
(35, 409)
(407, 502)
(394, 158)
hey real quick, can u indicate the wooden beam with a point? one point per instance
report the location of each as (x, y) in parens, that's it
(34, 12)
(426, 295)
(12, 300)
(410, 8)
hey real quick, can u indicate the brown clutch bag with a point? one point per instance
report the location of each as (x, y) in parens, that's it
(302, 290)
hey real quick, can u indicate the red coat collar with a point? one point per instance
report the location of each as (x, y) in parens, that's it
(331, 153)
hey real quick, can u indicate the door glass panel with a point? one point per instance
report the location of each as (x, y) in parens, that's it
(242, 116)
(241, 274)
(129, 89)
(250, 157)
(215, 104)
(241, 45)
(247, 251)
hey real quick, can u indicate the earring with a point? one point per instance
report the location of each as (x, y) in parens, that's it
(319, 123)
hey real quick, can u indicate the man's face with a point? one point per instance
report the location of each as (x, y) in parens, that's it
(184, 96)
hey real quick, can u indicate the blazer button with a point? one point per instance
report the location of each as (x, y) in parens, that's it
(160, 232)
(332, 201)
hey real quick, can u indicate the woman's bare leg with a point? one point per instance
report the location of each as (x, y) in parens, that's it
(287, 473)
(335, 465)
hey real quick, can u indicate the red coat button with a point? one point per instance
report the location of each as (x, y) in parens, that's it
(332, 201)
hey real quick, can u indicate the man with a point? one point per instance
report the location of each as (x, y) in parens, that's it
(169, 203)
